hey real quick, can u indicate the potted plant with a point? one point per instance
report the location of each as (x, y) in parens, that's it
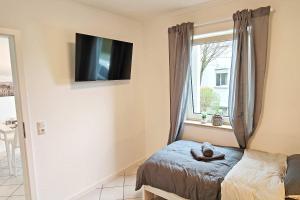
(203, 118)
(217, 119)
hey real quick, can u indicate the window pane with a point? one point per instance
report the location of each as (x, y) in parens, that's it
(224, 79)
(211, 64)
(218, 80)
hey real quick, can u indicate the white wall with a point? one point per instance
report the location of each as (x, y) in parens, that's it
(278, 130)
(93, 129)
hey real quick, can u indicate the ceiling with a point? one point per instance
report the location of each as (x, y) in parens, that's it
(141, 9)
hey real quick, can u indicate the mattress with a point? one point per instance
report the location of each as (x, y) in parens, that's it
(173, 169)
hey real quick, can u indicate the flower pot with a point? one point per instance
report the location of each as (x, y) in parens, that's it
(217, 120)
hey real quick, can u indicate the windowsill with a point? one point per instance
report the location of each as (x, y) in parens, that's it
(209, 125)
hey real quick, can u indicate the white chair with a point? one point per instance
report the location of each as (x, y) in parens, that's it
(15, 144)
(11, 138)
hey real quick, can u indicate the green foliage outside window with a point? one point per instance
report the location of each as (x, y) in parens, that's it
(209, 101)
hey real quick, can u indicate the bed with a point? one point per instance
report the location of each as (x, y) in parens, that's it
(173, 171)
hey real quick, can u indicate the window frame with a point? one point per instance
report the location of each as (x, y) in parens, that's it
(220, 36)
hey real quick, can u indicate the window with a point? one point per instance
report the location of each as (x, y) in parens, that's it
(221, 79)
(211, 63)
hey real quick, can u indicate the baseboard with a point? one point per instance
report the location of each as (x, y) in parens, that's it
(92, 187)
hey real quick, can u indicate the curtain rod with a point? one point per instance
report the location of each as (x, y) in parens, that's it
(219, 21)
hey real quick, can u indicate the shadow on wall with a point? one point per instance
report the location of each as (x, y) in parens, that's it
(252, 139)
(123, 137)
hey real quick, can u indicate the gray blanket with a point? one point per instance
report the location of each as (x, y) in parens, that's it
(173, 169)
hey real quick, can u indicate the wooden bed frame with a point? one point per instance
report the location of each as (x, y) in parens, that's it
(151, 193)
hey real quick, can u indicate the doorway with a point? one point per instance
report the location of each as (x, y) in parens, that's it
(13, 162)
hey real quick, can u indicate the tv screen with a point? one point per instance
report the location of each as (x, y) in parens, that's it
(100, 58)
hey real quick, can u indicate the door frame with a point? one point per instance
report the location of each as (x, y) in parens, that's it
(22, 111)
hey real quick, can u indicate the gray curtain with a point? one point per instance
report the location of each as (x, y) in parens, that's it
(250, 41)
(180, 44)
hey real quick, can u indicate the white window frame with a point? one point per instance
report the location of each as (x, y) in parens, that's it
(219, 36)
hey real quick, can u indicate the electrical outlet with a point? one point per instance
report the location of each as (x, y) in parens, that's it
(41, 127)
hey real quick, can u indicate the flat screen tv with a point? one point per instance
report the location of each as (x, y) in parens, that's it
(100, 58)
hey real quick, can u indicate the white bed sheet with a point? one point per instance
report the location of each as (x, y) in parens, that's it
(257, 176)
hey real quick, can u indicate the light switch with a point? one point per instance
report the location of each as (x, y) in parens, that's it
(41, 127)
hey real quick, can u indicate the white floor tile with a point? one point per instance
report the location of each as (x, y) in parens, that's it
(10, 184)
(4, 172)
(94, 195)
(16, 198)
(19, 171)
(115, 193)
(116, 182)
(19, 191)
(14, 180)
(19, 164)
(3, 155)
(7, 190)
(130, 180)
(130, 193)
(3, 164)
(3, 179)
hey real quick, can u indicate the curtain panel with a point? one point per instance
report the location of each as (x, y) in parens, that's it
(180, 45)
(249, 57)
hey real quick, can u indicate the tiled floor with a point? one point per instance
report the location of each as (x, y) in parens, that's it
(11, 187)
(120, 188)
